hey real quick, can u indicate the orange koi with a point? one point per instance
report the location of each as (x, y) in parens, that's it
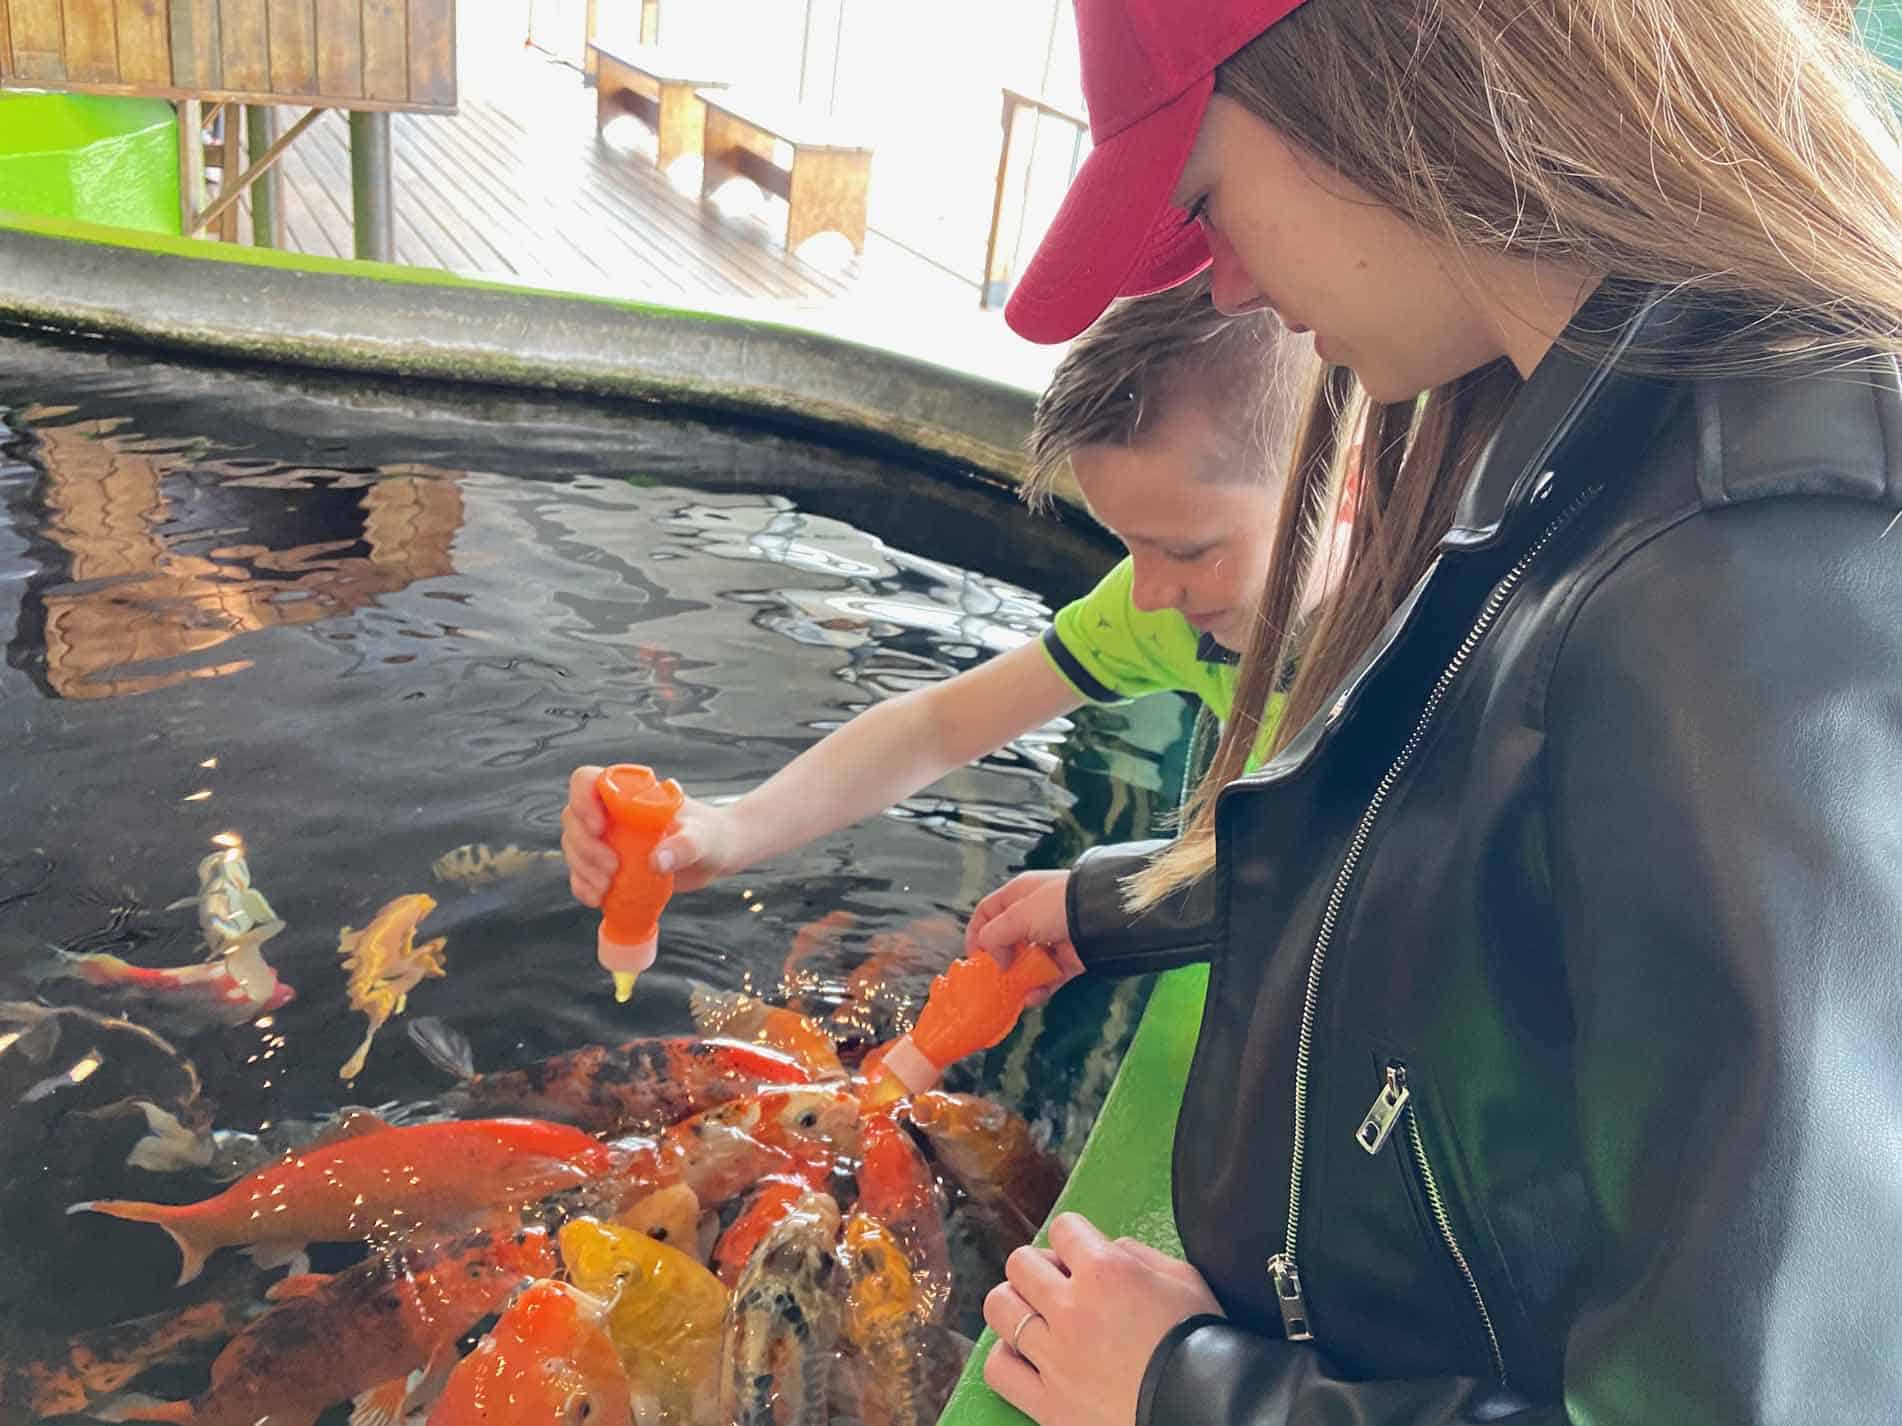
(897, 1188)
(669, 1215)
(640, 1086)
(992, 1154)
(772, 1200)
(799, 1132)
(806, 984)
(376, 1185)
(735, 1015)
(329, 1339)
(549, 1362)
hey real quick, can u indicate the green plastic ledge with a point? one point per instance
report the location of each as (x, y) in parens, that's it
(91, 157)
(1121, 1181)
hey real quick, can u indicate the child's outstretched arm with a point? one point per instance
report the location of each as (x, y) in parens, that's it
(882, 756)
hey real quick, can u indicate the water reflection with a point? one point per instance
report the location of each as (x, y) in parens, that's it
(167, 557)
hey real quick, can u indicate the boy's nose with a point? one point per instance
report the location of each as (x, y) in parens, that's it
(1150, 591)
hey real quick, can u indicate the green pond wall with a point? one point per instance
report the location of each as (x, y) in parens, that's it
(90, 157)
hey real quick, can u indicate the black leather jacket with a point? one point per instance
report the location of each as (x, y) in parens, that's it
(1553, 1051)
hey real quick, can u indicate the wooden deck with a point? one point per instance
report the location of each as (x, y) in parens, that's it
(517, 186)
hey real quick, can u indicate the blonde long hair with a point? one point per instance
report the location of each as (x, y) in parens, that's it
(1742, 152)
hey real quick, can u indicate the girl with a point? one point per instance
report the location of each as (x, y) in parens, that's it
(1553, 1018)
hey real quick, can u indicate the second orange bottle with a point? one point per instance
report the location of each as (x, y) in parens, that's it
(641, 807)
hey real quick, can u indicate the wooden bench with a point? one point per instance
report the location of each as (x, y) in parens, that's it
(826, 181)
(660, 87)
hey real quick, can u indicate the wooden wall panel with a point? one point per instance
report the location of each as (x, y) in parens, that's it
(293, 46)
(195, 56)
(92, 42)
(6, 40)
(340, 48)
(385, 49)
(432, 51)
(39, 42)
(244, 43)
(145, 43)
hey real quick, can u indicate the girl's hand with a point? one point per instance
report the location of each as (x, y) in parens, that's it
(1029, 907)
(1086, 1314)
(694, 849)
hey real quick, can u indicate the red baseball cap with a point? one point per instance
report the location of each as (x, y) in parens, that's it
(1148, 72)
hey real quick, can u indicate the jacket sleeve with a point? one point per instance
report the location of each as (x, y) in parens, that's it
(1724, 818)
(1109, 940)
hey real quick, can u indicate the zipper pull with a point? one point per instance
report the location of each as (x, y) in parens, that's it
(1388, 1106)
(1294, 1307)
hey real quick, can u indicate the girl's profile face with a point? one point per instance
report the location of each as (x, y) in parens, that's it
(1381, 297)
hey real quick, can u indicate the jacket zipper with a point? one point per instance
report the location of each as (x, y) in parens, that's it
(1284, 1272)
(1391, 1105)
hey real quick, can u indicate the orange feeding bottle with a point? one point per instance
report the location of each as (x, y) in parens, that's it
(971, 1007)
(640, 809)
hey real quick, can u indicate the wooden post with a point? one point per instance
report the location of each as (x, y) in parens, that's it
(1007, 205)
(230, 165)
(191, 163)
(650, 22)
(267, 208)
(370, 191)
(590, 32)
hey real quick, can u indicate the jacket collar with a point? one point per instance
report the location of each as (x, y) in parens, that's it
(1594, 395)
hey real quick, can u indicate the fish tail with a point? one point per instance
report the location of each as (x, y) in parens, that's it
(99, 968)
(444, 1046)
(191, 1252)
(135, 1406)
(168, 1146)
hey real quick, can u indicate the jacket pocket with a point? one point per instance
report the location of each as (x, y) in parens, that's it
(1394, 1118)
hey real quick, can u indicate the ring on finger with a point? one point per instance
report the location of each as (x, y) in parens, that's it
(1017, 1335)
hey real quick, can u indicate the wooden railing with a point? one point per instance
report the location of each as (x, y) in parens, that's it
(1022, 118)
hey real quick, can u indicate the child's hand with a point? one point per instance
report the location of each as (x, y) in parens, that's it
(1028, 907)
(695, 848)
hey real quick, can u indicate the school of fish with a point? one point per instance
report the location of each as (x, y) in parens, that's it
(708, 1230)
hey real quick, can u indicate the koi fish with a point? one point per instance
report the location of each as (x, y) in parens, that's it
(735, 1015)
(71, 1064)
(771, 1200)
(992, 1155)
(230, 909)
(668, 1317)
(385, 964)
(807, 987)
(375, 1185)
(668, 1215)
(236, 985)
(897, 1188)
(801, 1132)
(640, 1086)
(96, 1364)
(776, 1357)
(885, 988)
(549, 1362)
(884, 1307)
(476, 865)
(329, 1339)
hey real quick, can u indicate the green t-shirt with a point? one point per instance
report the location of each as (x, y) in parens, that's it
(1110, 651)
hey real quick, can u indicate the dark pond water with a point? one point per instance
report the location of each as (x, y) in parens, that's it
(352, 630)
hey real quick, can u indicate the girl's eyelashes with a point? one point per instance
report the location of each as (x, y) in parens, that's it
(1198, 211)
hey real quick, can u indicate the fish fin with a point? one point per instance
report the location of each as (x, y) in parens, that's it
(444, 1047)
(280, 1255)
(181, 903)
(39, 1040)
(296, 1285)
(135, 1406)
(426, 1385)
(714, 1010)
(353, 1121)
(192, 1254)
(169, 1146)
(381, 1405)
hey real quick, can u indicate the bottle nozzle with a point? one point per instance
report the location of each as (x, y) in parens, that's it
(625, 960)
(624, 985)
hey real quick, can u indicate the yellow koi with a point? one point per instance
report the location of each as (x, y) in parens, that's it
(385, 964)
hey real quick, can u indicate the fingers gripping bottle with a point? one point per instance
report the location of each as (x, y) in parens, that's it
(640, 809)
(971, 1007)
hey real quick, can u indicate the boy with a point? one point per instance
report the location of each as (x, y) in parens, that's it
(1176, 424)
